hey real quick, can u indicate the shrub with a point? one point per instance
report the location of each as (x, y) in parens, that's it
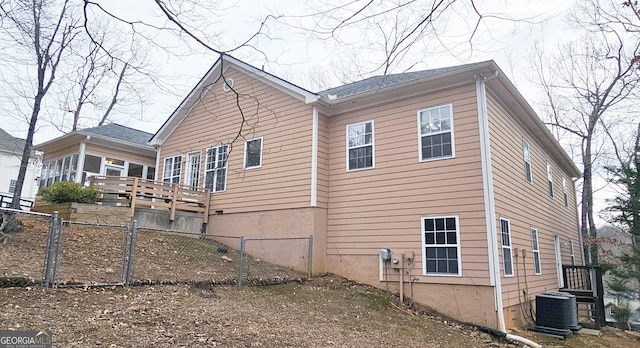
(65, 191)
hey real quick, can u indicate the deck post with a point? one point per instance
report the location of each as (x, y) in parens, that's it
(134, 194)
(174, 201)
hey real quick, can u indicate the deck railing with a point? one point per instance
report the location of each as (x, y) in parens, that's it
(138, 192)
(5, 202)
(585, 282)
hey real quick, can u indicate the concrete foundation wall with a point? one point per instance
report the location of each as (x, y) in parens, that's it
(467, 303)
(283, 223)
(159, 219)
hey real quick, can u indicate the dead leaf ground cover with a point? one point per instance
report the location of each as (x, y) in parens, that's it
(325, 311)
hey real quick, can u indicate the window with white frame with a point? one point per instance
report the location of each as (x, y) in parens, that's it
(12, 186)
(550, 179)
(215, 172)
(507, 257)
(528, 171)
(441, 245)
(360, 146)
(573, 255)
(253, 153)
(565, 192)
(435, 130)
(536, 251)
(192, 170)
(172, 169)
(62, 169)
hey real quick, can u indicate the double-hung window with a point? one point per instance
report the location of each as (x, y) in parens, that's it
(528, 171)
(550, 179)
(565, 192)
(441, 245)
(536, 251)
(507, 257)
(12, 185)
(360, 146)
(216, 168)
(253, 153)
(172, 169)
(435, 131)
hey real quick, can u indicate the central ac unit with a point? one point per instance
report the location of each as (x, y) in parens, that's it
(556, 314)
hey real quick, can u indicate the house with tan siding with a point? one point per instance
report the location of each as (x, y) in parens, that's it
(441, 184)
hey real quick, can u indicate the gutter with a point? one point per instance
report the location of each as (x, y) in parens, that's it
(489, 198)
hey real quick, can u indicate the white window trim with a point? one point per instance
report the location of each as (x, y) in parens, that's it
(373, 146)
(187, 169)
(565, 192)
(244, 161)
(226, 166)
(453, 140)
(458, 246)
(550, 188)
(526, 144)
(573, 255)
(164, 166)
(504, 269)
(536, 251)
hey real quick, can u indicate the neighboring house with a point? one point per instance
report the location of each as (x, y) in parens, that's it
(111, 149)
(11, 149)
(449, 168)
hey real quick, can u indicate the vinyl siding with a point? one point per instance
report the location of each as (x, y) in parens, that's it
(529, 205)
(323, 161)
(285, 123)
(382, 207)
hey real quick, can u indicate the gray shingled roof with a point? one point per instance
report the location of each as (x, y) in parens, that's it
(379, 82)
(10, 143)
(120, 132)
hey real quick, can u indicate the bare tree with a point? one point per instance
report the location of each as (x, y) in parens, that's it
(587, 83)
(44, 29)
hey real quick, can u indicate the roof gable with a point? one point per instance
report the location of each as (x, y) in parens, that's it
(211, 77)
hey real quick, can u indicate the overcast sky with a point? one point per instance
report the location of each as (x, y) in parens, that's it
(303, 60)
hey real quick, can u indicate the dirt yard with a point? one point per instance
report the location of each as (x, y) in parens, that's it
(325, 311)
(322, 312)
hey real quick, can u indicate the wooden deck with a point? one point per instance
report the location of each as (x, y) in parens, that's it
(137, 192)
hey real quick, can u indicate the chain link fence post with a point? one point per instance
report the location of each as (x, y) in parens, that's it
(59, 242)
(134, 231)
(310, 255)
(241, 262)
(52, 236)
(125, 254)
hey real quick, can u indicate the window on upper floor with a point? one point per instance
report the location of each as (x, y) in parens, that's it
(435, 132)
(360, 146)
(172, 169)
(507, 257)
(536, 251)
(441, 245)
(565, 192)
(528, 170)
(215, 171)
(550, 179)
(253, 153)
(12, 186)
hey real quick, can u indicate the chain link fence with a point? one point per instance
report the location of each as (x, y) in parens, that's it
(90, 254)
(177, 257)
(24, 244)
(69, 253)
